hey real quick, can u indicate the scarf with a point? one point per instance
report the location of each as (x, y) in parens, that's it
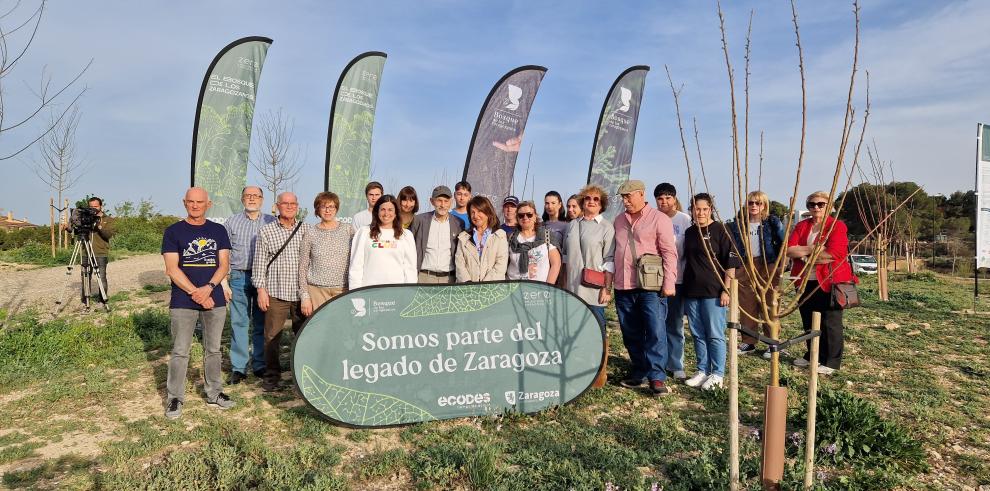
(523, 248)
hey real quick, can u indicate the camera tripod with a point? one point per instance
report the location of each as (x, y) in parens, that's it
(82, 254)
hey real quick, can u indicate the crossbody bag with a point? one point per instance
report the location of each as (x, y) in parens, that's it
(590, 278)
(649, 267)
(280, 249)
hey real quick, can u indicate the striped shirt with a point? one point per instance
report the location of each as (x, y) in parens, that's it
(243, 233)
(282, 278)
(324, 256)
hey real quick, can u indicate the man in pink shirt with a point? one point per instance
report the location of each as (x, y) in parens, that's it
(642, 313)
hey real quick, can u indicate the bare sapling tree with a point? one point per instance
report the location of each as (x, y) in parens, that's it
(775, 300)
(875, 202)
(17, 34)
(58, 164)
(276, 157)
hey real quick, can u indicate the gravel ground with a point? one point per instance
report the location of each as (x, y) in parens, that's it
(43, 287)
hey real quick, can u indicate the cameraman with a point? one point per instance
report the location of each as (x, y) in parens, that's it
(100, 238)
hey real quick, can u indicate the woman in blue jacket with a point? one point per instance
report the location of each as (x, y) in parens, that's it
(765, 237)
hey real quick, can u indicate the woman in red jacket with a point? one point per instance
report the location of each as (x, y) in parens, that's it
(831, 266)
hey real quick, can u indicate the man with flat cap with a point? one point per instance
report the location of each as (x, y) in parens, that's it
(436, 239)
(640, 299)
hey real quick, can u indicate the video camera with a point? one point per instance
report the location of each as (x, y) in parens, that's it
(82, 221)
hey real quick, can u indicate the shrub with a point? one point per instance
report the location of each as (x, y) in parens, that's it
(850, 430)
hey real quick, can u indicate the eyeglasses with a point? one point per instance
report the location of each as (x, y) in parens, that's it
(525, 215)
(754, 203)
(817, 204)
(252, 196)
(594, 199)
(328, 207)
(289, 204)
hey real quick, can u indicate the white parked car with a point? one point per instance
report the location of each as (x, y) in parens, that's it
(863, 264)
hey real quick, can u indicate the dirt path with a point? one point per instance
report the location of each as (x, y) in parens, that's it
(44, 286)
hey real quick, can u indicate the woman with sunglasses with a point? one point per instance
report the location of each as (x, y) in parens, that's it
(710, 263)
(482, 251)
(590, 240)
(829, 235)
(383, 252)
(765, 239)
(534, 249)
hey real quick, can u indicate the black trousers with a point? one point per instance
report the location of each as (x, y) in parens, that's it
(830, 347)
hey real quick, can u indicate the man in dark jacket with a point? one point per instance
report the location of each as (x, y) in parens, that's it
(436, 239)
(100, 238)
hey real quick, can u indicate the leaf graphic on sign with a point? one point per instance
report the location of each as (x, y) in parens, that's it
(456, 299)
(356, 407)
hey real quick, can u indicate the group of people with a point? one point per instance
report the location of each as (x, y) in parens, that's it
(659, 263)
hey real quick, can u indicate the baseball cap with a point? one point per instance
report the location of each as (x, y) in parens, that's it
(441, 191)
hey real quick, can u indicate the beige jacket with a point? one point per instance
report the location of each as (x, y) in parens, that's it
(492, 263)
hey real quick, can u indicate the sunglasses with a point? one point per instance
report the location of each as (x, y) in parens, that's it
(817, 204)
(754, 203)
(525, 215)
(596, 199)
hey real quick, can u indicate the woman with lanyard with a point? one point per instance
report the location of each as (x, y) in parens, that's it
(383, 252)
(324, 255)
(534, 250)
(710, 263)
(482, 251)
(590, 240)
(831, 267)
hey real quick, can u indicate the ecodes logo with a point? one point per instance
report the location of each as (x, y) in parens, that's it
(464, 400)
(512, 98)
(625, 97)
(359, 308)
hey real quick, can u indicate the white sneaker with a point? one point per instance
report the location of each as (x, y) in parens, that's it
(801, 362)
(680, 375)
(711, 382)
(696, 381)
(767, 355)
(824, 370)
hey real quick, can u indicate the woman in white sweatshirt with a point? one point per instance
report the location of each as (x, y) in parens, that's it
(382, 253)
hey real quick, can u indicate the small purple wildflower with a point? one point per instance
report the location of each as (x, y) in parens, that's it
(796, 438)
(831, 449)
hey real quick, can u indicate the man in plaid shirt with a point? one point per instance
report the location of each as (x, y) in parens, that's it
(276, 276)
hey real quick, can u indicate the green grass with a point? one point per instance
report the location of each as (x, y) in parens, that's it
(898, 398)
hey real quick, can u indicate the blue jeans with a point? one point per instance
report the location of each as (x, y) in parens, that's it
(674, 331)
(641, 314)
(706, 318)
(599, 312)
(244, 311)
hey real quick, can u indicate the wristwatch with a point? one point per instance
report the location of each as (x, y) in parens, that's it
(212, 285)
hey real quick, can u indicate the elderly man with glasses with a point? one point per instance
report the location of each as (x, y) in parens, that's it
(276, 276)
(243, 228)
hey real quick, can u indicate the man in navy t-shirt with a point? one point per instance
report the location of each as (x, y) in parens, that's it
(197, 258)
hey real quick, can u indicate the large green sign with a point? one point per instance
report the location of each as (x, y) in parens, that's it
(222, 131)
(397, 354)
(352, 119)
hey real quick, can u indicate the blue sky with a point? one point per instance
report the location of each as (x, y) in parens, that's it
(927, 63)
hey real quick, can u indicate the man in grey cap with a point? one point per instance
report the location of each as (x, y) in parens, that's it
(436, 239)
(642, 309)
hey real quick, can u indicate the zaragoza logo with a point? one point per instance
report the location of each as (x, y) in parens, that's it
(513, 97)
